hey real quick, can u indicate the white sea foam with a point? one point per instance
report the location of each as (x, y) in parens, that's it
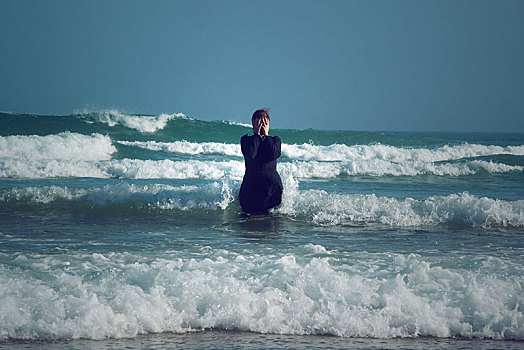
(142, 123)
(62, 155)
(233, 169)
(62, 146)
(124, 169)
(458, 209)
(341, 152)
(40, 169)
(185, 147)
(74, 155)
(245, 125)
(190, 169)
(211, 196)
(379, 167)
(96, 296)
(42, 195)
(316, 206)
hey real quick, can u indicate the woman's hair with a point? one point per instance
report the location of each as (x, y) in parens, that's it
(260, 113)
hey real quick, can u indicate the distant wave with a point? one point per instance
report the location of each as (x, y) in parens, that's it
(377, 167)
(74, 146)
(339, 152)
(76, 155)
(186, 147)
(245, 125)
(142, 123)
(62, 155)
(63, 146)
(167, 127)
(232, 169)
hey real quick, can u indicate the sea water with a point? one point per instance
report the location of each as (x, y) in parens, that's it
(116, 227)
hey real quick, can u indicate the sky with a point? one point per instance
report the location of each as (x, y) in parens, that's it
(353, 65)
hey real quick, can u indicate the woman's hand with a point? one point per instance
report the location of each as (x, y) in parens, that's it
(261, 127)
(257, 126)
(264, 128)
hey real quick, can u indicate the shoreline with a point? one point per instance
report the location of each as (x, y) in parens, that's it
(224, 339)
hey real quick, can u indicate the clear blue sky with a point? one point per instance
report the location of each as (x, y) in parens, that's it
(357, 65)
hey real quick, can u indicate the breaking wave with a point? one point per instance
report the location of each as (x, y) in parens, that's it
(232, 169)
(340, 152)
(142, 123)
(456, 209)
(305, 291)
(63, 146)
(75, 155)
(210, 196)
(315, 206)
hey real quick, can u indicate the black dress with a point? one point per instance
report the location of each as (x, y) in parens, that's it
(261, 188)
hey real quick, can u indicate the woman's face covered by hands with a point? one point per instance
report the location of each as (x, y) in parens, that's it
(261, 126)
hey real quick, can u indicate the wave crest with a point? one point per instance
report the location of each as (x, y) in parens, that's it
(142, 123)
(233, 169)
(315, 206)
(62, 146)
(122, 295)
(211, 196)
(341, 152)
(463, 209)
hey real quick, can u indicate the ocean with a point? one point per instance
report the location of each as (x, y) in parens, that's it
(120, 230)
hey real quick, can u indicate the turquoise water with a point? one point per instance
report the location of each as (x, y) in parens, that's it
(119, 226)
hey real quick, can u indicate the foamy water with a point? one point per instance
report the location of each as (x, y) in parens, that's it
(142, 123)
(338, 152)
(71, 155)
(316, 206)
(306, 291)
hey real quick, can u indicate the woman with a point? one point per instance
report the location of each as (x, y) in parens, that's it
(261, 188)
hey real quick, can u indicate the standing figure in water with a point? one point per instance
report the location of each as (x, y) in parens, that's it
(261, 188)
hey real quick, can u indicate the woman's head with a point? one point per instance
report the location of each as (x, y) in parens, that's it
(260, 121)
(260, 114)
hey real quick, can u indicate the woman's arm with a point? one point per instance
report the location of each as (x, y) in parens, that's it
(273, 149)
(250, 146)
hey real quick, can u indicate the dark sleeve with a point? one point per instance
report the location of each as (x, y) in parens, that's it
(274, 144)
(249, 146)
